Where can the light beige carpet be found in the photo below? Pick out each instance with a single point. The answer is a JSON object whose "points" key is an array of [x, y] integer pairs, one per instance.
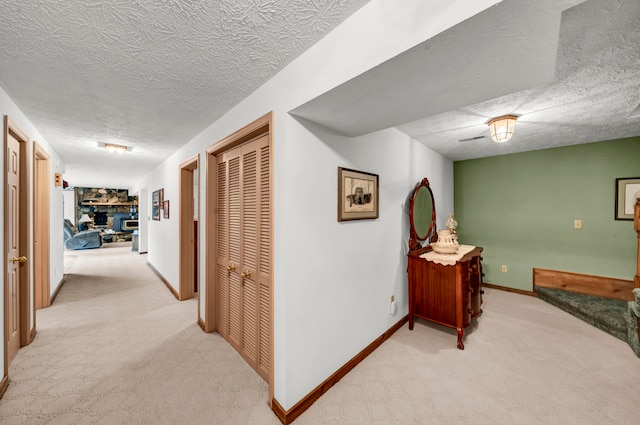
{"points": [[117, 348]]}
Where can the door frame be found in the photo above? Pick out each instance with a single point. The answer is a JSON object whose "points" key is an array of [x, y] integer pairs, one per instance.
{"points": [[262, 125], [27, 332], [187, 254], [41, 227]]}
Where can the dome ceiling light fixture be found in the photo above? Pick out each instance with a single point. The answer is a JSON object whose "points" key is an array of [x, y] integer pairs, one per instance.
{"points": [[502, 128]]}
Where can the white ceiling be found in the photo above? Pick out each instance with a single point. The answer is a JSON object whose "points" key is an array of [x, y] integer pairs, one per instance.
{"points": [[153, 74], [143, 73], [595, 89], [570, 69]]}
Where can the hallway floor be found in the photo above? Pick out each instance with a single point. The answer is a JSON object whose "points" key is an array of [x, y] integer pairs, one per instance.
{"points": [[117, 348]]}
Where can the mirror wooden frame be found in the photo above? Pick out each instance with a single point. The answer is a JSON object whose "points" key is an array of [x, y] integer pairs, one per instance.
{"points": [[431, 235]]}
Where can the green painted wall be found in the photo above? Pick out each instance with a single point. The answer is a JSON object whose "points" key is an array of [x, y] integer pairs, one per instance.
{"points": [[520, 208]]}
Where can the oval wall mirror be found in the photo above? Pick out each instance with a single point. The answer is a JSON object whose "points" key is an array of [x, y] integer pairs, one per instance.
{"points": [[422, 215]]}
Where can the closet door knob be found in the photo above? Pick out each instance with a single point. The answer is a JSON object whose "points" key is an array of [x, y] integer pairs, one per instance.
{"points": [[245, 274], [231, 267]]}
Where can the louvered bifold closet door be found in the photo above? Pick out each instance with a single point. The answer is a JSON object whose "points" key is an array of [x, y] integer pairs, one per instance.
{"points": [[229, 282], [256, 322], [264, 259], [235, 259], [244, 222], [249, 255], [222, 248]]}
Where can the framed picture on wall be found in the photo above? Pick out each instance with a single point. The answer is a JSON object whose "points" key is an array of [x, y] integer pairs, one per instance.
{"points": [[156, 204], [165, 209], [627, 191], [357, 195]]}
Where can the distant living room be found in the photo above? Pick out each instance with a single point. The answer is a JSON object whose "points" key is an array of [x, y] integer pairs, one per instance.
{"points": [[96, 216]]}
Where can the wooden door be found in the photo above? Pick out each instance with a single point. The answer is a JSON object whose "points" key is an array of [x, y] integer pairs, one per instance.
{"points": [[243, 251], [188, 225], [14, 261]]}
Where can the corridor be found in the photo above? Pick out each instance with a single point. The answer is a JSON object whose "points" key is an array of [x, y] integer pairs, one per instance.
{"points": [[116, 347]]}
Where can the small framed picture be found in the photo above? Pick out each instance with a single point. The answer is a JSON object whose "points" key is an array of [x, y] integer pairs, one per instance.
{"points": [[627, 191], [165, 209], [156, 204], [357, 195]]}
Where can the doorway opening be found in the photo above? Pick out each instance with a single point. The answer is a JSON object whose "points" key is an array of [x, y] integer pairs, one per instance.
{"points": [[41, 225]]}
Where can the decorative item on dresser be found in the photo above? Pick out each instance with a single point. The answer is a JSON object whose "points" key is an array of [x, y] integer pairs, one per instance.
{"points": [[444, 288]]}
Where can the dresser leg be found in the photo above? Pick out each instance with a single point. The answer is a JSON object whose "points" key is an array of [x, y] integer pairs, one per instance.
{"points": [[460, 336], [410, 322]]}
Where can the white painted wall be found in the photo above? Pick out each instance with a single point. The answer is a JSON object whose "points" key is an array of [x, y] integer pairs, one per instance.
{"points": [[162, 235], [56, 211], [332, 281], [9, 108], [342, 277]]}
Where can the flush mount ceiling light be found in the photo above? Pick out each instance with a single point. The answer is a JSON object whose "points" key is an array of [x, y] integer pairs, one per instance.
{"points": [[502, 128], [111, 147]]}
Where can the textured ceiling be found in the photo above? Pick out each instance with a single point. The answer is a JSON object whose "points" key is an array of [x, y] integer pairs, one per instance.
{"points": [[473, 61], [146, 74], [570, 69], [595, 90], [153, 74]]}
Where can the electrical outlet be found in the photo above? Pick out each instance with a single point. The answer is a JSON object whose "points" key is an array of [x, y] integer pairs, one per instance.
{"points": [[577, 224], [393, 307], [504, 268]]}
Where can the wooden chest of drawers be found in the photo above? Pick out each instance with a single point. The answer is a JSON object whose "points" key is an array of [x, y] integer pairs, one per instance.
{"points": [[450, 295]]}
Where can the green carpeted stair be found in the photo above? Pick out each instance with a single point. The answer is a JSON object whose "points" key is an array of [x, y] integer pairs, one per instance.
{"points": [[616, 317], [633, 314]]}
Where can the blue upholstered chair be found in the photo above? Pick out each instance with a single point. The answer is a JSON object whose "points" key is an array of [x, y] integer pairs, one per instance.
{"points": [[80, 240]]}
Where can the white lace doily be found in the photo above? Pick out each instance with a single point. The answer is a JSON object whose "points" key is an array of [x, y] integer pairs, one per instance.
{"points": [[448, 259]]}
